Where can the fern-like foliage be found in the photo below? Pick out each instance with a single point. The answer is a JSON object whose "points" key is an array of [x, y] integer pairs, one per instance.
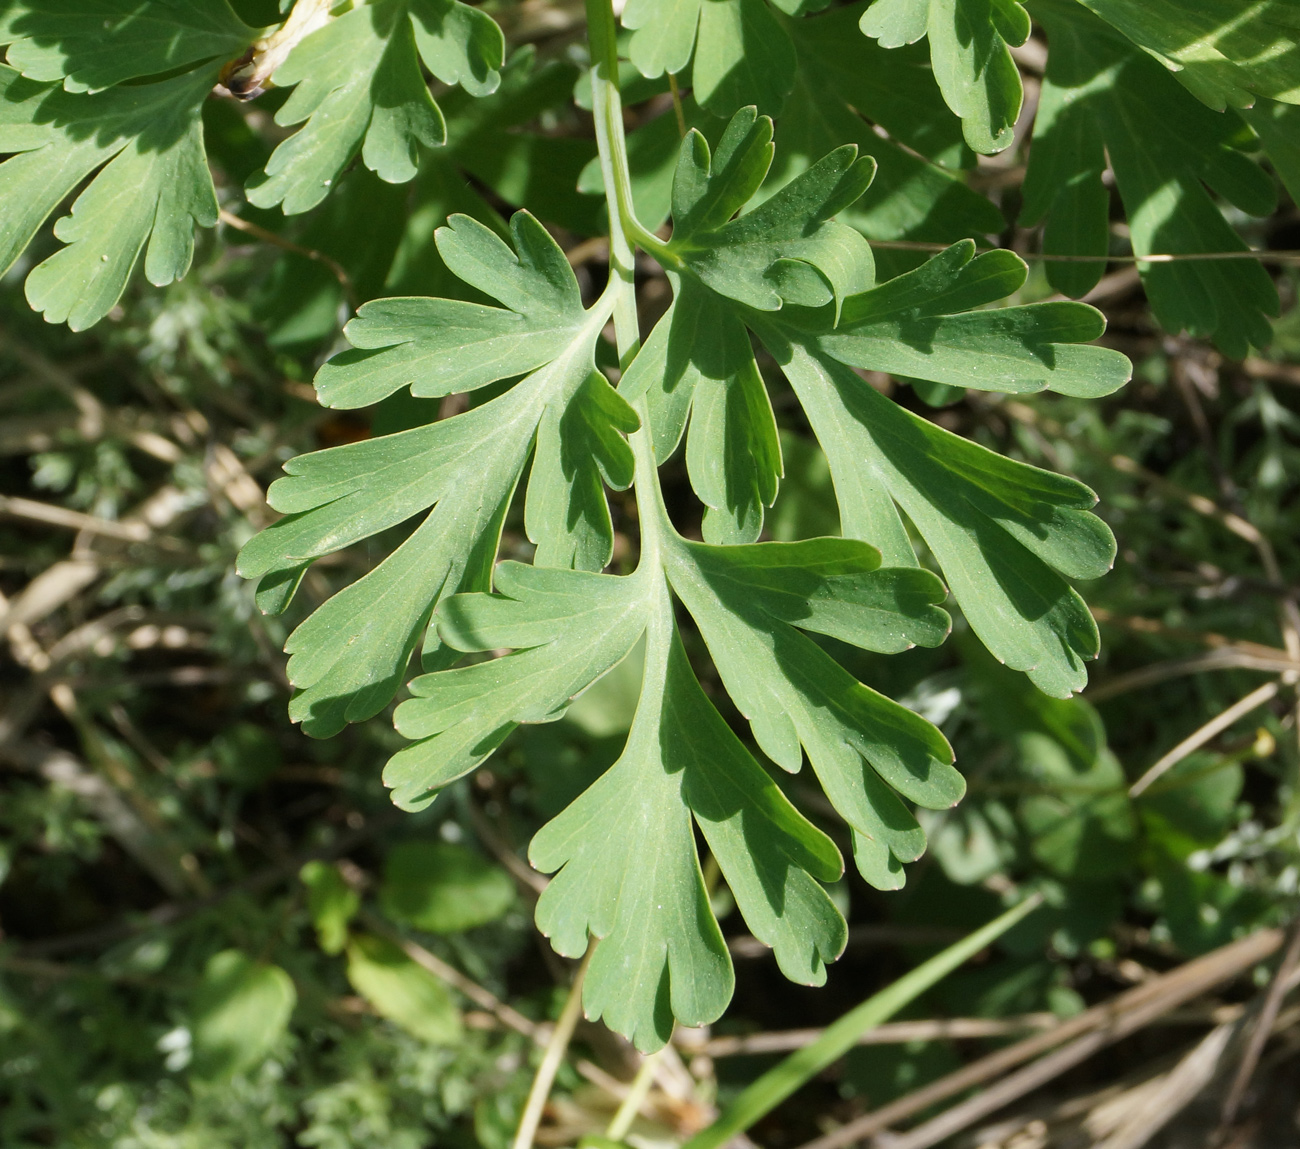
{"points": [[803, 283], [883, 105], [115, 89]]}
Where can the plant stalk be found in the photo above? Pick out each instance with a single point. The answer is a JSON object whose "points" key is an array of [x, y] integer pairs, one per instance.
{"points": [[551, 1058], [777, 1084]]}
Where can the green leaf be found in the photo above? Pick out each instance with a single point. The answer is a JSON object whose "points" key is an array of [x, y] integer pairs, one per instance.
{"points": [[571, 628], [1224, 53], [94, 44], [443, 888], [1003, 532], [331, 902], [748, 602], [151, 186], [567, 629], [440, 346], [239, 1012], [842, 79], [351, 655], [1103, 99], [918, 325], [358, 87], [405, 993], [968, 51], [698, 362], [893, 87], [629, 875], [743, 55], [787, 249], [778, 1083]]}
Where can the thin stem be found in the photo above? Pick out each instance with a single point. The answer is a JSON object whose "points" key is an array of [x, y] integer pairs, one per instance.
{"points": [[677, 105], [335, 268], [624, 227], [607, 110], [635, 1096], [1194, 742], [551, 1059]]}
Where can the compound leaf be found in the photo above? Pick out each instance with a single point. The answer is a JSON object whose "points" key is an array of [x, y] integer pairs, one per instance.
{"points": [[569, 627], [350, 656], [1102, 98], [1224, 53], [439, 346], [1000, 530], [94, 44], [968, 51], [1005, 535], [151, 187], [918, 325], [358, 87], [748, 602], [698, 362], [787, 249], [629, 874]]}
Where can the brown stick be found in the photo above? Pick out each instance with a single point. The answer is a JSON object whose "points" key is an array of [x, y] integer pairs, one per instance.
{"points": [[1112, 1020], [1263, 1027]]}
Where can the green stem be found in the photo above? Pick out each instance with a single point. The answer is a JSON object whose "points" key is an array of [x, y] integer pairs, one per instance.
{"points": [[777, 1084], [635, 1096], [607, 109], [551, 1059], [624, 229]]}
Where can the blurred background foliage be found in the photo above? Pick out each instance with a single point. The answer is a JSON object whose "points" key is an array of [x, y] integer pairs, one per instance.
{"points": [[217, 932]]}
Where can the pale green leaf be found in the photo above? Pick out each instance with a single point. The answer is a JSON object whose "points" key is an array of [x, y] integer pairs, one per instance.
{"points": [[698, 359], [405, 993], [443, 887], [94, 44], [239, 1012], [153, 186], [748, 601], [969, 54], [358, 88], [331, 902], [570, 629], [1000, 530], [351, 655]]}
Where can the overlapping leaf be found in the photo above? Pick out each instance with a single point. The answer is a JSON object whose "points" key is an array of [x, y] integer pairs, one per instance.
{"points": [[114, 89], [358, 87], [1225, 53], [1006, 535], [750, 603], [624, 849], [742, 54], [1102, 99], [150, 188], [95, 44], [968, 51], [350, 656]]}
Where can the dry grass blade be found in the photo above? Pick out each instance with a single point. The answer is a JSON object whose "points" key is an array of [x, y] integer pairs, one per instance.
{"points": [[1093, 1028], [890, 1033], [1195, 741], [1263, 1027], [1226, 658], [55, 516]]}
